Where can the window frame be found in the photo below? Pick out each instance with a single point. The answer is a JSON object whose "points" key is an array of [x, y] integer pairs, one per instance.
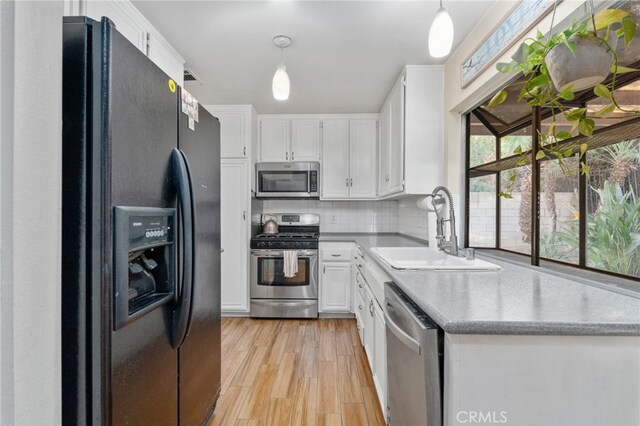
{"points": [[535, 121]]}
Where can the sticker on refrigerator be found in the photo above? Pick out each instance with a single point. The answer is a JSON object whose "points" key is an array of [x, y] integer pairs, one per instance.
{"points": [[172, 86], [189, 105], [192, 124]]}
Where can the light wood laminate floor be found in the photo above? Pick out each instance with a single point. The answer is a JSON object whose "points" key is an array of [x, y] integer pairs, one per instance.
{"points": [[295, 372]]}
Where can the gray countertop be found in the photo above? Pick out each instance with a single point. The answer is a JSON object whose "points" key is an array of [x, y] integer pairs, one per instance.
{"points": [[518, 299]]}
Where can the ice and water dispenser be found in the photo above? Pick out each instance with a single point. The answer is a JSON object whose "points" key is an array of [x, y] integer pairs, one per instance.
{"points": [[144, 259]]}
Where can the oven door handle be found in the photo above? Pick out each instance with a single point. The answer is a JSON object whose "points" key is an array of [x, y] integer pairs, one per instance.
{"points": [[279, 253]]}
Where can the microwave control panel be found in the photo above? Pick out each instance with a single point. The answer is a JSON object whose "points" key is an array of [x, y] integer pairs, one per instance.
{"points": [[313, 181]]}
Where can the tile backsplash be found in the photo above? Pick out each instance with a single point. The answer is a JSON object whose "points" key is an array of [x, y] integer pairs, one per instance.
{"points": [[343, 216], [412, 220]]}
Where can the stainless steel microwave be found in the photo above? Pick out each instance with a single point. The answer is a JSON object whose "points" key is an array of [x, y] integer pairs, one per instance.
{"points": [[288, 180]]}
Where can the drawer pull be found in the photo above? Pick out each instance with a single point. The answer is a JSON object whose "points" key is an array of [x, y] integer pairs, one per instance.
{"points": [[336, 255]]}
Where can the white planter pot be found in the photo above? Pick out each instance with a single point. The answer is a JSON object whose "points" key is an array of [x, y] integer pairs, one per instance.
{"points": [[589, 66]]}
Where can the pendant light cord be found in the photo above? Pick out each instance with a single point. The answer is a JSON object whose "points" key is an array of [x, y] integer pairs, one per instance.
{"points": [[593, 19], [553, 16]]}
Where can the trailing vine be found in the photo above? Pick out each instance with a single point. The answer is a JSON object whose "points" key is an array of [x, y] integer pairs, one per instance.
{"points": [[608, 27]]}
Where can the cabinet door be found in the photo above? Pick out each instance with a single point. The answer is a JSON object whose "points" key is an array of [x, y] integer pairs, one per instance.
{"points": [[369, 332], [274, 140], [383, 151], [379, 355], [335, 287], [335, 159], [126, 18], [234, 237], [362, 159], [305, 138], [163, 55], [396, 140], [359, 309], [233, 133]]}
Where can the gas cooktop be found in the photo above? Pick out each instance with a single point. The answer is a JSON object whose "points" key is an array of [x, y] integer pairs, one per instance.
{"points": [[297, 232]]}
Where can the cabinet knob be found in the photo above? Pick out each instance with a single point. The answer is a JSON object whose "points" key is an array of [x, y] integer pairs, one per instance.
{"points": [[292, 155], [360, 307], [360, 285]]}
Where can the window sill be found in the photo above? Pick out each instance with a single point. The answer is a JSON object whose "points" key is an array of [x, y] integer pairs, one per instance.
{"points": [[596, 279]]}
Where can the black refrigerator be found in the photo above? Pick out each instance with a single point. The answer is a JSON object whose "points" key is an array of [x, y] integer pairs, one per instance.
{"points": [[141, 239]]}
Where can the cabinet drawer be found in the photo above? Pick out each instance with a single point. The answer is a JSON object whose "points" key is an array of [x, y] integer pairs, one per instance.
{"points": [[336, 254]]}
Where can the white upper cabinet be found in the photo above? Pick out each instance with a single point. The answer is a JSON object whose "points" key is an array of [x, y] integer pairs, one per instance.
{"points": [[275, 137], [383, 150], [335, 159], [396, 138], [411, 145], [237, 134], [362, 158], [134, 26], [284, 139], [349, 159], [124, 15], [305, 138], [164, 56]]}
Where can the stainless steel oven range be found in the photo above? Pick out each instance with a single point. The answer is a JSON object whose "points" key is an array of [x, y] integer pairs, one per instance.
{"points": [[273, 295]]}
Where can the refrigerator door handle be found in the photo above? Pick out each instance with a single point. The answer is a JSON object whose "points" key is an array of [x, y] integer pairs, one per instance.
{"points": [[182, 181]]}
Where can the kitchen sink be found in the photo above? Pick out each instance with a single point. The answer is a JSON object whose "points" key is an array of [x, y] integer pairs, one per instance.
{"points": [[429, 259]]}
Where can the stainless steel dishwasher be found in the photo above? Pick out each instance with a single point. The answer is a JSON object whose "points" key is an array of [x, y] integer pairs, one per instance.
{"points": [[414, 362]]}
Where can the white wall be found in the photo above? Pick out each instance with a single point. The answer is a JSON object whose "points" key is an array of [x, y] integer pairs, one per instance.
{"points": [[30, 202]]}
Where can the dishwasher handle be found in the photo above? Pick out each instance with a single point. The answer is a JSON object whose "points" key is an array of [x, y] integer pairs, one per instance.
{"points": [[400, 334]]}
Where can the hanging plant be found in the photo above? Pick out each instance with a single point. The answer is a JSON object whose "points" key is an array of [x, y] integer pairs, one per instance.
{"points": [[558, 66]]}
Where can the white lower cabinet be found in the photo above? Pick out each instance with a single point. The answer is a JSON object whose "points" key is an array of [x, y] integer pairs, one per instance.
{"points": [[335, 290], [379, 368], [358, 306], [234, 235], [370, 319], [335, 278], [368, 326]]}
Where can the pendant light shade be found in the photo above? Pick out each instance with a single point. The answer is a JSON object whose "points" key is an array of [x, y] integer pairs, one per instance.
{"points": [[281, 84], [441, 34]]}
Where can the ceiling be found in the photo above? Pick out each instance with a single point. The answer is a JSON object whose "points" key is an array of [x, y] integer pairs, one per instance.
{"points": [[344, 57]]}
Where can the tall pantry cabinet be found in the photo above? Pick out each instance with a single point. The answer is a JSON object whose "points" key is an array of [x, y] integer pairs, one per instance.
{"points": [[238, 139]]}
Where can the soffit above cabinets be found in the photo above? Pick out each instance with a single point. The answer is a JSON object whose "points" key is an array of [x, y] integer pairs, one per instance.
{"points": [[344, 57]]}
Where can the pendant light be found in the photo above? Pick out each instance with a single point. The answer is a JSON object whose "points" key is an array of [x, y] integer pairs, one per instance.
{"points": [[441, 34], [281, 83]]}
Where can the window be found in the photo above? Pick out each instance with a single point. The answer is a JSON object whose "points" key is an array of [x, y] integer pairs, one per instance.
{"points": [[546, 209]]}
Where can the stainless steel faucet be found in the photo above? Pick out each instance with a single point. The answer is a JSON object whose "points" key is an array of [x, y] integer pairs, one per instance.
{"points": [[451, 245]]}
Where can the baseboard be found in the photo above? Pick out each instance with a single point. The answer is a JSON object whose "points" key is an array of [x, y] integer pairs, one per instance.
{"points": [[336, 315], [231, 314]]}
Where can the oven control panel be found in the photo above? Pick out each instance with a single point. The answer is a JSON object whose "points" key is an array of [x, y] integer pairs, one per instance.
{"points": [[284, 245]]}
